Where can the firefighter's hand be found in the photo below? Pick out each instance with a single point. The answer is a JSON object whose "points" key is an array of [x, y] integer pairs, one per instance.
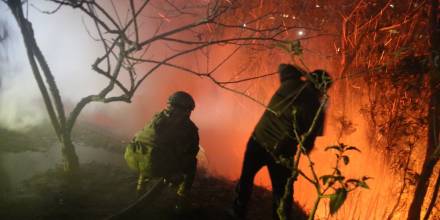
{"points": [[181, 190]]}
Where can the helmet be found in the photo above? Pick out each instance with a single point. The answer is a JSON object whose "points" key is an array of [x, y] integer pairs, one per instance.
{"points": [[182, 99], [288, 71]]}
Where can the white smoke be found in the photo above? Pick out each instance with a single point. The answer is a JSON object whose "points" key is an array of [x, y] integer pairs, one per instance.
{"points": [[69, 51], [18, 106]]}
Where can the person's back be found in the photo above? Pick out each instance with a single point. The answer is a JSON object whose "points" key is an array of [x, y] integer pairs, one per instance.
{"points": [[272, 135], [167, 147], [291, 110], [275, 125], [169, 144]]}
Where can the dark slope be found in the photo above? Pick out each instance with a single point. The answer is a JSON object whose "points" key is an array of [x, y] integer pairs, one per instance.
{"points": [[105, 190]]}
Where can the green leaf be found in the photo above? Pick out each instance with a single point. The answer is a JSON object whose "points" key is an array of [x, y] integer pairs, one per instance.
{"points": [[337, 199], [334, 147], [285, 46], [326, 178], [339, 178], [342, 146], [352, 181], [345, 159], [291, 47], [296, 47], [353, 148], [363, 184]]}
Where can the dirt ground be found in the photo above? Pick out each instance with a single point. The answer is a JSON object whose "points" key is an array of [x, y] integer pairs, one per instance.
{"points": [[104, 190]]}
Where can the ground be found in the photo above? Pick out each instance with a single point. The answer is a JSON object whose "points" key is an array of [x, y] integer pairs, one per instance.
{"points": [[101, 191], [105, 190]]}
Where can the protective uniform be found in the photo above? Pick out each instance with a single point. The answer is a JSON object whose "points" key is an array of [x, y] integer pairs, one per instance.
{"points": [[294, 103], [167, 146]]}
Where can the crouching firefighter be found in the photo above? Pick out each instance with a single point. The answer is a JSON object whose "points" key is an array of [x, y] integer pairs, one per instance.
{"points": [[167, 147]]}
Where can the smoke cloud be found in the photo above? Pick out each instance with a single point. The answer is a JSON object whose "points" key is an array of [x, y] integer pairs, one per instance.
{"points": [[18, 106], [69, 51], [225, 119]]}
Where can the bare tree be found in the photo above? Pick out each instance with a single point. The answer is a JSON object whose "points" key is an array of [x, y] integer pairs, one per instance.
{"points": [[200, 26], [381, 44]]}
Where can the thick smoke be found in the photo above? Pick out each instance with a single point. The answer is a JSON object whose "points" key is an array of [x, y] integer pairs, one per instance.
{"points": [[225, 120], [69, 51], [4, 35], [18, 107]]}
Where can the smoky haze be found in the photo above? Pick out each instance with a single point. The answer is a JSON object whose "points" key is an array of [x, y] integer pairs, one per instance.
{"points": [[58, 36], [12, 80], [225, 119]]}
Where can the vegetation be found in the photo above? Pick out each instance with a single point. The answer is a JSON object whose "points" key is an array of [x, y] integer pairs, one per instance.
{"points": [[391, 49]]}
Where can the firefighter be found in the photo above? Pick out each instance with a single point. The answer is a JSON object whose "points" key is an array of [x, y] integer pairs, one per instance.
{"points": [[167, 147], [294, 104]]}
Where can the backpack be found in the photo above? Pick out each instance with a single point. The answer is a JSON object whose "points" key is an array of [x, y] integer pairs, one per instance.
{"points": [[138, 157]]}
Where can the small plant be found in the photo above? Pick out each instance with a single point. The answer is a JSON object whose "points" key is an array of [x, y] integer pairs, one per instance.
{"points": [[334, 186], [336, 182]]}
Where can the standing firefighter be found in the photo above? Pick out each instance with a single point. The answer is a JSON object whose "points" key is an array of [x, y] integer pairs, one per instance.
{"points": [[167, 147], [294, 104]]}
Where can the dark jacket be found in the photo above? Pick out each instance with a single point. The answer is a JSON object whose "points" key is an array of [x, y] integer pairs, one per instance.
{"points": [[171, 147], [294, 103]]}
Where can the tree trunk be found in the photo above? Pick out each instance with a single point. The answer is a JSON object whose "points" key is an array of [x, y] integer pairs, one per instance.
{"points": [[433, 199], [431, 158], [53, 105], [4, 181], [70, 159], [421, 189]]}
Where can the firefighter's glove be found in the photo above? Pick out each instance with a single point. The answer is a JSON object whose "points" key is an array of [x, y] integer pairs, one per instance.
{"points": [[181, 190]]}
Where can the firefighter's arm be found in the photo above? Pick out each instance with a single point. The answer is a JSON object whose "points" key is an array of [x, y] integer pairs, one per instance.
{"points": [[189, 166], [194, 149]]}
